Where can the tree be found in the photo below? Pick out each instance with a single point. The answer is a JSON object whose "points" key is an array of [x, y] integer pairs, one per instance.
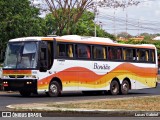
{"points": [[147, 36], [85, 26], [124, 35], [18, 18], [68, 12]]}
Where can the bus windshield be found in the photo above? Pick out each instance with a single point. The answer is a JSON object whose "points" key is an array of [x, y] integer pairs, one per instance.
{"points": [[21, 55]]}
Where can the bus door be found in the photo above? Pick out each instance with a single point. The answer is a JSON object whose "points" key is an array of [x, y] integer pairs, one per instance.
{"points": [[45, 63]]}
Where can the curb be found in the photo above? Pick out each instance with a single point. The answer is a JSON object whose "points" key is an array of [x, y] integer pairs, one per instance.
{"points": [[66, 109]]}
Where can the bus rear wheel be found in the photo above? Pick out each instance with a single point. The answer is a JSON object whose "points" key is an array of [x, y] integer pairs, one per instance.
{"points": [[25, 93], [54, 89], [114, 87], [124, 87]]}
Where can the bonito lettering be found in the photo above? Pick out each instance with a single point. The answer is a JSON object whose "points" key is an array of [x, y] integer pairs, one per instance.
{"points": [[101, 67]]}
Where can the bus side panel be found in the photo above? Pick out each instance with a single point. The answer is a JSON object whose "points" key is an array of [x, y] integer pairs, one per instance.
{"points": [[145, 76], [69, 79]]}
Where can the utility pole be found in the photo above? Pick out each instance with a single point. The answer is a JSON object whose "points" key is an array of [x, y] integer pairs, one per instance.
{"points": [[138, 28], [114, 23], [95, 20], [126, 23]]}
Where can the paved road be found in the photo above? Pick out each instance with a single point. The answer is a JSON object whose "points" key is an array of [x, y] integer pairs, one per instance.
{"points": [[15, 98]]}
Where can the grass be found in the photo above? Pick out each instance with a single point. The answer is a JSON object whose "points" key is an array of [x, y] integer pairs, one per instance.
{"points": [[138, 104]]}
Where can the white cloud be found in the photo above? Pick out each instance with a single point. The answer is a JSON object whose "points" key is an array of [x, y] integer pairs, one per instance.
{"points": [[157, 13], [140, 15]]}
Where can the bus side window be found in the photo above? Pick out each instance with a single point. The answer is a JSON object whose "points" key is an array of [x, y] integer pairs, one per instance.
{"points": [[110, 55], [70, 51], [147, 55], [138, 55], [99, 52], [141, 55], [134, 55], [119, 54], [104, 53], [114, 53], [152, 56], [65, 50], [83, 51], [128, 54], [94, 53], [124, 54], [88, 52], [61, 50]]}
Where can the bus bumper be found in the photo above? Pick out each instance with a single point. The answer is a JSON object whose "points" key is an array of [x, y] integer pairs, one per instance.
{"points": [[20, 84]]}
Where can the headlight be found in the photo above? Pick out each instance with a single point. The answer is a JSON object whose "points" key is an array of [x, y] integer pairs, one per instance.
{"points": [[5, 76], [30, 76], [28, 83], [5, 82]]}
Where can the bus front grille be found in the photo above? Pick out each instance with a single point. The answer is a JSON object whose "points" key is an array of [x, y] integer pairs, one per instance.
{"points": [[16, 76]]}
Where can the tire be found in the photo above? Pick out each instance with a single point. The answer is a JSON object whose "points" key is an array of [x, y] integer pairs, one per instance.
{"points": [[54, 89], [114, 88], [25, 93], [125, 87]]}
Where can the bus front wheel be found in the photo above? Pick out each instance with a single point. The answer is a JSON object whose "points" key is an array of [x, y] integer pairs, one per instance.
{"points": [[54, 89], [124, 87], [25, 93], [114, 87]]}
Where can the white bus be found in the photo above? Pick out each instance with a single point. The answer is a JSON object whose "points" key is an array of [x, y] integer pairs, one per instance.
{"points": [[75, 63]]}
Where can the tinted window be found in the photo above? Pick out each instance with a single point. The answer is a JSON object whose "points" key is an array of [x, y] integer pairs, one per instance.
{"points": [[99, 52], [114, 53], [152, 56], [129, 54], [65, 50], [141, 55], [83, 51]]}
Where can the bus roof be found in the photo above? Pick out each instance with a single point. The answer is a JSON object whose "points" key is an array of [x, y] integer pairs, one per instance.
{"points": [[83, 39]]}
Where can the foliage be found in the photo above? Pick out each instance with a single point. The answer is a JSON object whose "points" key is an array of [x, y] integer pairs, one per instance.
{"points": [[18, 19], [68, 12], [124, 35], [147, 36], [85, 26]]}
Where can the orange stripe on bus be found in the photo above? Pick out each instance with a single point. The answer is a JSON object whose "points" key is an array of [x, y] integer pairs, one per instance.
{"points": [[20, 72], [80, 76]]}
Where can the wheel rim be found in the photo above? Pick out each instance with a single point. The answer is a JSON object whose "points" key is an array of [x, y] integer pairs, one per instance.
{"points": [[53, 89], [114, 88], [125, 87]]}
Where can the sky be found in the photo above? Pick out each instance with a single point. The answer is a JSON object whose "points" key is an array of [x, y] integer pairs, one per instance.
{"points": [[144, 18], [135, 19]]}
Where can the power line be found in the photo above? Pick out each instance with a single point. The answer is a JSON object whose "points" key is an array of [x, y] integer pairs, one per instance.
{"points": [[131, 22]]}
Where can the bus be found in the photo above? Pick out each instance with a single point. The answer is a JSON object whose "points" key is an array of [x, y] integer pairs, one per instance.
{"points": [[53, 65]]}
